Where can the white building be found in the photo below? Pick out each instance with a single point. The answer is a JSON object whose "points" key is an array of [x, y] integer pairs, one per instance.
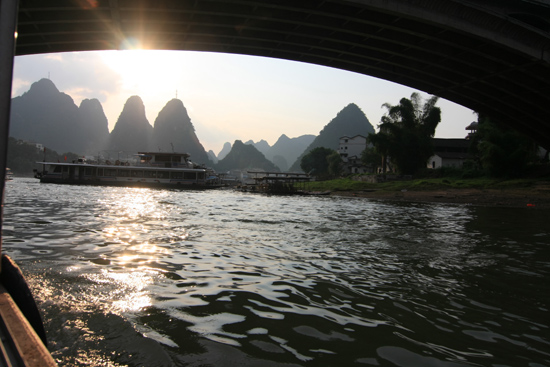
{"points": [[449, 153], [350, 149]]}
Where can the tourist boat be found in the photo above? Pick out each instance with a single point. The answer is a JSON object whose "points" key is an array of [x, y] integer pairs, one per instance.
{"points": [[148, 169]]}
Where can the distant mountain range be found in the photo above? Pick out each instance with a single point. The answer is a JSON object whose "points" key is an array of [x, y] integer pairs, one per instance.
{"points": [[47, 116], [245, 157], [285, 150], [50, 117]]}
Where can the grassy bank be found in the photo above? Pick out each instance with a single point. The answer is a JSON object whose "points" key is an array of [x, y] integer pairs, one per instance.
{"points": [[427, 184]]}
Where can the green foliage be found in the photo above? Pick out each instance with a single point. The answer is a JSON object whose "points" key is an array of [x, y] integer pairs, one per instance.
{"points": [[466, 171], [321, 162], [406, 131], [334, 164], [424, 184], [339, 184], [371, 157], [502, 151]]}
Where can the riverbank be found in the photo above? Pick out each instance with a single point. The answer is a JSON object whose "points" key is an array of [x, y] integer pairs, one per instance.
{"points": [[518, 193], [496, 198]]}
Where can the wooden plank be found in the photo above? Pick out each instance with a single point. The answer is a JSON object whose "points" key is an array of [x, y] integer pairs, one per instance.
{"points": [[26, 342]]}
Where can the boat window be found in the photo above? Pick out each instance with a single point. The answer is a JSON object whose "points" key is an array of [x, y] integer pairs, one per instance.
{"points": [[88, 171], [163, 158], [137, 173], [123, 173], [57, 169], [149, 174], [100, 171], [145, 158], [177, 175], [110, 172], [201, 176], [163, 174], [190, 175]]}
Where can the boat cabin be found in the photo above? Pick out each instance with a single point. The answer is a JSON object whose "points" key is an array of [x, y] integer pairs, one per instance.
{"points": [[167, 160]]}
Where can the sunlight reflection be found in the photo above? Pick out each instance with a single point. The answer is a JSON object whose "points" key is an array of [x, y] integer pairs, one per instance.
{"points": [[127, 291], [147, 248], [132, 289], [126, 259], [132, 219], [134, 213], [135, 203]]}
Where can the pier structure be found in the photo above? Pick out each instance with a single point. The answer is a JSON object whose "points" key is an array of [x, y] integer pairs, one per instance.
{"points": [[277, 182]]}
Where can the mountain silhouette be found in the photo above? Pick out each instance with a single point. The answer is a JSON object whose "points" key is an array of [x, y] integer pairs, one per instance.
{"points": [[225, 150], [349, 121], [95, 126], [262, 146], [47, 116], [50, 117], [286, 150], [132, 131], [173, 131], [243, 157], [212, 156]]}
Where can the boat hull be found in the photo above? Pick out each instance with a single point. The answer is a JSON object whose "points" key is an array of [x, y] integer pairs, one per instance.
{"points": [[131, 183]]}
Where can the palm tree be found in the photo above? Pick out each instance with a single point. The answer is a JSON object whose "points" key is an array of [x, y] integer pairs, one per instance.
{"points": [[405, 133]]}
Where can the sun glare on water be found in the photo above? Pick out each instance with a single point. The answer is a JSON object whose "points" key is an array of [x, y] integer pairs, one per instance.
{"points": [[128, 268]]}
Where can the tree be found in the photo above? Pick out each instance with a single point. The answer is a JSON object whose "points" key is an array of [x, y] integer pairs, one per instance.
{"points": [[22, 157], [501, 151], [405, 133], [320, 162], [371, 158], [334, 164]]}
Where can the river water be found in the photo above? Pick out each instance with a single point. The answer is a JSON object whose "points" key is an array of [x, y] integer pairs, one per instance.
{"points": [[140, 277]]}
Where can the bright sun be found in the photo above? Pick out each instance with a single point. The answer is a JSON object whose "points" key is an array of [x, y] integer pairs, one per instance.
{"points": [[144, 71]]}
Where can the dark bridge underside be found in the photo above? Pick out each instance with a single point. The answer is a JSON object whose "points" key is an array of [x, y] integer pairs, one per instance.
{"points": [[493, 58]]}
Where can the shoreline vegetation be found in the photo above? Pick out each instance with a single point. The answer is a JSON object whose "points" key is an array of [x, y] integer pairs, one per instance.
{"points": [[518, 193]]}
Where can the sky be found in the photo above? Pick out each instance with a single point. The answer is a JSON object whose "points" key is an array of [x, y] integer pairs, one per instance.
{"points": [[228, 97]]}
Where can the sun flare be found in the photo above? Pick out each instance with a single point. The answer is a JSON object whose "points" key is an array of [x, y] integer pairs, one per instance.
{"points": [[144, 71]]}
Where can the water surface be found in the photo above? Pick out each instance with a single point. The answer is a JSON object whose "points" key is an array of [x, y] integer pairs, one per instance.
{"points": [[140, 277]]}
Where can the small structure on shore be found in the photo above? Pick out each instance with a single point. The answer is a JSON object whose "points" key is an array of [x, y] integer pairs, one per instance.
{"points": [[448, 153], [276, 182]]}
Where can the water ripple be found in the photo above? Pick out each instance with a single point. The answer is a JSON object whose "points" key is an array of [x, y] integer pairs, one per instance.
{"points": [[194, 277]]}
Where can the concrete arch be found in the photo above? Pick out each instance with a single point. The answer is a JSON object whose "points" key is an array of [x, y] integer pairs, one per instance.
{"points": [[492, 57]]}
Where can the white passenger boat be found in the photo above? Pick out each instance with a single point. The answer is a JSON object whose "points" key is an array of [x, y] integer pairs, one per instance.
{"points": [[150, 169]]}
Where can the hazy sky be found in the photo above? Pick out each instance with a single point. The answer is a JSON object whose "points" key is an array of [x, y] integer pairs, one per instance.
{"points": [[228, 97]]}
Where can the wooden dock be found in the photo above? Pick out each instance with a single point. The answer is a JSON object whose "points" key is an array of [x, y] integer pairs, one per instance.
{"points": [[283, 183]]}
